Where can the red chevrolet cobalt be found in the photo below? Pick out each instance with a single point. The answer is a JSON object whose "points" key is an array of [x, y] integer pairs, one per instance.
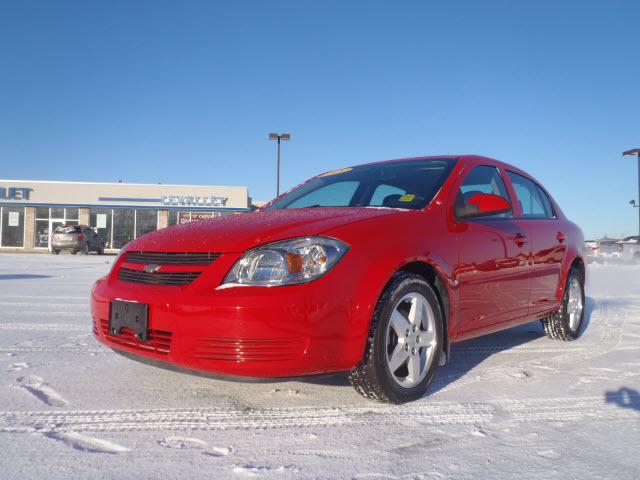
{"points": [[375, 269]]}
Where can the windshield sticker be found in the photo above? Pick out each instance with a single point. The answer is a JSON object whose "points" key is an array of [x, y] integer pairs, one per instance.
{"points": [[407, 197], [336, 172]]}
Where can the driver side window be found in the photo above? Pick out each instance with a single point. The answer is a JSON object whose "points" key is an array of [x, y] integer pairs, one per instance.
{"points": [[483, 179]]}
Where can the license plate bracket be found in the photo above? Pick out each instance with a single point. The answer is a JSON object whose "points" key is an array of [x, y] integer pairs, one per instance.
{"points": [[131, 315]]}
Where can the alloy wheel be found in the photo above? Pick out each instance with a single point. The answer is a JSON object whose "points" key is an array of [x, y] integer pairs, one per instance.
{"points": [[411, 340], [574, 304]]}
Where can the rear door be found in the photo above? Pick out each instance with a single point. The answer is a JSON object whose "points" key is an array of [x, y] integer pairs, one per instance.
{"points": [[547, 240], [493, 270]]}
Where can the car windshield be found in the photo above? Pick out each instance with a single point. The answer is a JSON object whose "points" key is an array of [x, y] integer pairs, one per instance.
{"points": [[402, 184]]}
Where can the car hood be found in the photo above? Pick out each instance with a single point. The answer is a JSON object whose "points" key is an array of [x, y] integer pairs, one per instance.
{"points": [[237, 233]]}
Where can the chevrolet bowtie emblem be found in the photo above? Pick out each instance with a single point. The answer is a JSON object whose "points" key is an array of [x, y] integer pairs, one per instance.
{"points": [[151, 268]]}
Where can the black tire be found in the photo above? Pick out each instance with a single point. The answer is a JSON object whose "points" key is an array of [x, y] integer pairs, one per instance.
{"points": [[101, 249], [373, 378], [55, 252], [74, 251], [558, 325]]}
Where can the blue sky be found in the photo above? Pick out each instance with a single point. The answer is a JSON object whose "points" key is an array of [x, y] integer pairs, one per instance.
{"points": [[186, 92]]}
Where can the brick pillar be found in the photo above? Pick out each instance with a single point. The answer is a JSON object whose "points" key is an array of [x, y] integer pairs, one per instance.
{"points": [[84, 216], [29, 227], [163, 219]]}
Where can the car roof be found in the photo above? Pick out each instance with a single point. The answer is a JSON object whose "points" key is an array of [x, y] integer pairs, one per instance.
{"points": [[475, 159]]}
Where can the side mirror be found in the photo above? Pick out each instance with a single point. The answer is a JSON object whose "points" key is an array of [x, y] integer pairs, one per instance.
{"points": [[483, 205]]}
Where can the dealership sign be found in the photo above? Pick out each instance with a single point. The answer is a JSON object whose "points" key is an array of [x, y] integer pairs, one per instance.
{"points": [[14, 193], [194, 201]]}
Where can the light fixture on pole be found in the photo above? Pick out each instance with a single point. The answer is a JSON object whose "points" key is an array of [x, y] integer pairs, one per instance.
{"points": [[279, 137], [630, 153]]}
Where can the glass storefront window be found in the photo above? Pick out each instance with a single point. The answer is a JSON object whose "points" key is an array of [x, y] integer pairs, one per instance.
{"points": [[72, 213], [146, 221], [101, 219], [49, 218], [12, 227], [57, 212], [181, 217], [123, 226], [41, 239]]}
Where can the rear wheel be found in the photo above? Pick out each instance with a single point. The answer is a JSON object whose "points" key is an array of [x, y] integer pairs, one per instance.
{"points": [[405, 342], [101, 249], [55, 251], [565, 323]]}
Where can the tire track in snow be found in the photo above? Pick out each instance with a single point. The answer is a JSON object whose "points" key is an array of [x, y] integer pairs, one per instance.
{"points": [[427, 413], [47, 327], [48, 313], [35, 299], [72, 349], [33, 305]]}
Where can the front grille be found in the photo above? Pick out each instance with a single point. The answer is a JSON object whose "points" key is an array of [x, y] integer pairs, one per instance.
{"points": [[172, 258], [159, 341], [158, 278], [248, 350]]}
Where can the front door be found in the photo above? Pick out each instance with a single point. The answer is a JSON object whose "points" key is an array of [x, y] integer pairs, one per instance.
{"points": [[494, 273]]}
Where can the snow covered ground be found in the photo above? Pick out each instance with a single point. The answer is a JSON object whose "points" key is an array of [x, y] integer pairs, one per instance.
{"points": [[510, 405]]}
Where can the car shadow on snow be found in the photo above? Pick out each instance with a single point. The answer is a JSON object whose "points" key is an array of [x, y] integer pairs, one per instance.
{"points": [[624, 397], [465, 356]]}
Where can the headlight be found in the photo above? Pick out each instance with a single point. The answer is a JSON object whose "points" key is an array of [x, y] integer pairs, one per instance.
{"points": [[287, 262]]}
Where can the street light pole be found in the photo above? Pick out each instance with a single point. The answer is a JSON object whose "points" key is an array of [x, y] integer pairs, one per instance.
{"points": [[279, 137], [630, 153]]}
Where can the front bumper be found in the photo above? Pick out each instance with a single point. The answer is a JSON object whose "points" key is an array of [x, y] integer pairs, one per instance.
{"points": [[242, 331]]}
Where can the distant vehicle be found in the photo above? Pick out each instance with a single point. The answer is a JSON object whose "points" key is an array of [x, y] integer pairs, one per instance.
{"points": [[591, 250], [76, 238], [630, 248], [603, 250], [375, 269]]}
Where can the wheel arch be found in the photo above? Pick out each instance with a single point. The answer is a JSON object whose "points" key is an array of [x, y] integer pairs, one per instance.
{"points": [[435, 279], [578, 263]]}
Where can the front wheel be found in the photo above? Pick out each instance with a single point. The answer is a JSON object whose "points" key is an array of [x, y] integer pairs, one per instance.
{"points": [[565, 323], [405, 342]]}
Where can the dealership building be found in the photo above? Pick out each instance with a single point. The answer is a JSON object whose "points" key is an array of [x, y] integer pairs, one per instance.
{"points": [[119, 212]]}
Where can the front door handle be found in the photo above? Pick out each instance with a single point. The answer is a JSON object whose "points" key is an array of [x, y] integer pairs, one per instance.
{"points": [[520, 239], [560, 237]]}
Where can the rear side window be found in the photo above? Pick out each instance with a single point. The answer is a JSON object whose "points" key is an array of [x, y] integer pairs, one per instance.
{"points": [[534, 203], [483, 179]]}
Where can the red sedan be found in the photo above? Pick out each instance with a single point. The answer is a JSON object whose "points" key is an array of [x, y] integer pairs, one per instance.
{"points": [[374, 269]]}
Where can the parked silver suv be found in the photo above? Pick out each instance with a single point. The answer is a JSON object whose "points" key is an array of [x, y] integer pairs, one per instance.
{"points": [[76, 238]]}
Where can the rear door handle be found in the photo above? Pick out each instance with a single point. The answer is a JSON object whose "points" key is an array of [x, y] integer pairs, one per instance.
{"points": [[560, 237], [520, 239]]}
